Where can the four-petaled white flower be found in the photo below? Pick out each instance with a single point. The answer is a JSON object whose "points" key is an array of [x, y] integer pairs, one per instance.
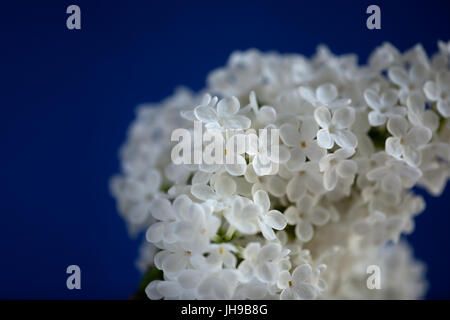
{"points": [[405, 143], [439, 91], [265, 263], [324, 95], [267, 219], [191, 224], [221, 115], [267, 155], [383, 106], [264, 115], [304, 284], [304, 216], [410, 82], [303, 144], [337, 166], [418, 115], [335, 128]]}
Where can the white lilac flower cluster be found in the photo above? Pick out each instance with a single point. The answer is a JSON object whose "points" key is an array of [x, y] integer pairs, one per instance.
{"points": [[354, 141]]}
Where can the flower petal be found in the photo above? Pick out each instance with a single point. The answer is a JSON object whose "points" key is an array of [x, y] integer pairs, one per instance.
{"points": [[267, 231], [205, 114], [225, 186], [345, 139], [161, 209], [203, 192], [372, 99], [289, 294], [275, 219], [238, 168], [289, 134], [320, 216], [297, 159], [324, 139], [155, 232], [431, 90], [303, 273], [304, 231], [326, 93], [189, 279], [228, 107], [236, 122], [444, 108], [394, 147], [376, 118], [261, 198], [296, 188], [397, 126], [308, 94], [322, 116], [266, 115], [343, 117], [399, 76], [418, 136], [346, 168], [330, 179], [306, 291]]}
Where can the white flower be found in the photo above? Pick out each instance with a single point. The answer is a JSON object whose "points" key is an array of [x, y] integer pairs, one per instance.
{"points": [[264, 115], [376, 160], [307, 178], [221, 116], [303, 144], [383, 106], [405, 144], [173, 262], [439, 91], [266, 155], [188, 224], [233, 160], [336, 128], [304, 216], [220, 195], [221, 254], [304, 284], [409, 82], [219, 285], [336, 166], [394, 175], [325, 95], [268, 219], [265, 263], [418, 115], [435, 167]]}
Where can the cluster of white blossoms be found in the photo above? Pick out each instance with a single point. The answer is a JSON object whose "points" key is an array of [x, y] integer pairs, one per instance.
{"points": [[354, 141]]}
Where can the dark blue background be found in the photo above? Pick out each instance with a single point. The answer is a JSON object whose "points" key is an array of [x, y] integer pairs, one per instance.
{"points": [[67, 98]]}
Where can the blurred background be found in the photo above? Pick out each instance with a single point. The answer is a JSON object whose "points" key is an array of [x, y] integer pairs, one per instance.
{"points": [[68, 96]]}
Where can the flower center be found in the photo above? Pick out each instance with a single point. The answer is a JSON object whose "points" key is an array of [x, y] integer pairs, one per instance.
{"points": [[303, 144]]}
